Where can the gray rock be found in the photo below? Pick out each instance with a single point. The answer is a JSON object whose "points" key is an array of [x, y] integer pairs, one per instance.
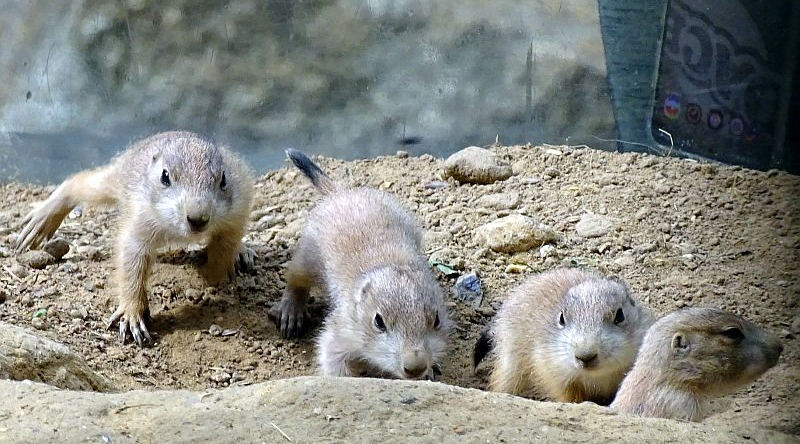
{"points": [[476, 165], [625, 259], [267, 221], [515, 233], [319, 409], [551, 172], [795, 327], [662, 188], [499, 201], [26, 355], [468, 289], [215, 330], [57, 248], [436, 184], [90, 252], [546, 251], [594, 225], [220, 376], [36, 259]]}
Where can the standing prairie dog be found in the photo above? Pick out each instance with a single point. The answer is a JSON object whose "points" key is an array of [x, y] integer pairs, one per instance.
{"points": [[691, 355], [564, 335], [359, 245], [172, 187]]}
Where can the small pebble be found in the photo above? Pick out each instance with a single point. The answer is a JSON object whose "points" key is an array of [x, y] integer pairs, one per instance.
{"points": [[546, 251], [215, 330], [795, 327], [516, 268], [436, 185], [662, 188], [551, 172], [36, 259], [192, 294], [468, 289], [57, 248], [90, 252], [39, 323], [67, 268], [220, 377]]}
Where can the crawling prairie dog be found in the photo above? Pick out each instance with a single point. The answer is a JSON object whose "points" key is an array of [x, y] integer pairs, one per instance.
{"points": [[690, 356], [363, 248], [564, 335], [172, 187]]}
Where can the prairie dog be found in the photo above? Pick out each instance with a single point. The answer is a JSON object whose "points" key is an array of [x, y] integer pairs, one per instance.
{"points": [[363, 248], [564, 335], [172, 187], [691, 355]]}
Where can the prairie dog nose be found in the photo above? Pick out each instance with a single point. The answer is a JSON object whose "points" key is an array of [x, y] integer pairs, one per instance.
{"points": [[198, 221], [587, 359], [414, 364]]}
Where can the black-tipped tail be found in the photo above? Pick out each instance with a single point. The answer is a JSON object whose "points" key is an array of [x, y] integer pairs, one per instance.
{"points": [[311, 170], [482, 348]]}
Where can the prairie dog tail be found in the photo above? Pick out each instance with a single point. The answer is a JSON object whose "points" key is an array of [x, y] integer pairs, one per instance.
{"points": [[318, 177], [482, 347]]}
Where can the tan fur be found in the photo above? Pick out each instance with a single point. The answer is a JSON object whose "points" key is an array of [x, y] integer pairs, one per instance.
{"points": [[535, 356], [364, 249], [152, 214], [687, 358]]}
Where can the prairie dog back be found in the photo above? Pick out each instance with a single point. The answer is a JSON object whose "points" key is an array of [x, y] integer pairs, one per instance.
{"points": [[364, 249], [690, 356], [566, 335]]}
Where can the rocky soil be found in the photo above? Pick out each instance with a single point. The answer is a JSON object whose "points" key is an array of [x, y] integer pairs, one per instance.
{"points": [[681, 233]]}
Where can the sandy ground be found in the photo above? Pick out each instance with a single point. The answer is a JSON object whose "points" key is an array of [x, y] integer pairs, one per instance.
{"points": [[686, 233]]}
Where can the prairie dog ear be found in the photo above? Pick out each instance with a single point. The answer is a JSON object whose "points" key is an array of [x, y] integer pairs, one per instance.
{"points": [[680, 342], [621, 282], [364, 289]]}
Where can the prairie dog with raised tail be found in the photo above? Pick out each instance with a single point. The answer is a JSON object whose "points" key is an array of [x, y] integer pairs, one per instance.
{"points": [[364, 250]]}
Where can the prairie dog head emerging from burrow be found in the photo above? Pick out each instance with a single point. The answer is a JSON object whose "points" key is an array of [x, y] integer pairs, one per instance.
{"points": [[565, 335], [364, 250], [690, 356]]}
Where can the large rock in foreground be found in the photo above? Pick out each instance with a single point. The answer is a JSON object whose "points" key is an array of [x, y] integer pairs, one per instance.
{"points": [[26, 355], [316, 409]]}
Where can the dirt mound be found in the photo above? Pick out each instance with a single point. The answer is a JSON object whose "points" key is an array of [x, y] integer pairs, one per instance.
{"points": [[679, 232]]}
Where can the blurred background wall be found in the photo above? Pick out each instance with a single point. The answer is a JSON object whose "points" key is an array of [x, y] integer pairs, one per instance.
{"points": [[346, 78]]}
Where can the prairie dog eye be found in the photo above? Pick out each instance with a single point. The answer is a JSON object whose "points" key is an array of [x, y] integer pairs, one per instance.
{"points": [[379, 324], [561, 321], [165, 178], [733, 333], [619, 317], [436, 322], [223, 183]]}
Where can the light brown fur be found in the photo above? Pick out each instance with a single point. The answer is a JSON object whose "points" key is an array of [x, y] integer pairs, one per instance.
{"points": [[536, 356], [153, 214], [691, 355], [364, 249]]}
